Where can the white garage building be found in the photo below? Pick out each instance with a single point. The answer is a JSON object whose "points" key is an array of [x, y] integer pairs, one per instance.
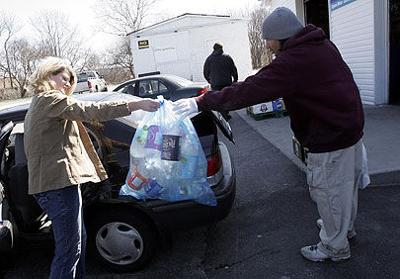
{"points": [[181, 45]]}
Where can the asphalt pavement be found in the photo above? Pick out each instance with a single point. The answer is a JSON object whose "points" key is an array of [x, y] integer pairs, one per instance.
{"points": [[272, 218]]}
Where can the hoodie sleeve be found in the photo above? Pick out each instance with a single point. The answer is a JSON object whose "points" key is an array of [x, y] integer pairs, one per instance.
{"points": [[271, 82]]}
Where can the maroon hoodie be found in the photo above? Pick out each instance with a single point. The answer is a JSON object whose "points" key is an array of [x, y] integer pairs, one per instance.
{"points": [[317, 86]]}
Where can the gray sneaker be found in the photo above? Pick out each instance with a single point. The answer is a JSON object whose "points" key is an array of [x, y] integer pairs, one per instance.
{"points": [[314, 253], [351, 235]]}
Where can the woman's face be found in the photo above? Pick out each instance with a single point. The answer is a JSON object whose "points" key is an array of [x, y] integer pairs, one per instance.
{"points": [[61, 81]]}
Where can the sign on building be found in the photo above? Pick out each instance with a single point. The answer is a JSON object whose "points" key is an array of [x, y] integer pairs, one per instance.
{"points": [[143, 44], [336, 4]]}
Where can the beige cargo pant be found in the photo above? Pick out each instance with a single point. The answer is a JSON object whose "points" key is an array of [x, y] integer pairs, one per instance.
{"points": [[334, 179]]}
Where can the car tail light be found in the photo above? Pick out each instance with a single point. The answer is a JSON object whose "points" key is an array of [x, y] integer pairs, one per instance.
{"points": [[202, 91], [89, 84], [213, 164]]}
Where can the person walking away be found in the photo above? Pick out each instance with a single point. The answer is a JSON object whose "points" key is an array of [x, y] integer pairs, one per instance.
{"points": [[220, 70], [61, 156], [326, 117]]}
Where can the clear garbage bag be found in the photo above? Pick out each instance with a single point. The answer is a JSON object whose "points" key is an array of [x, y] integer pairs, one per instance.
{"points": [[167, 160]]}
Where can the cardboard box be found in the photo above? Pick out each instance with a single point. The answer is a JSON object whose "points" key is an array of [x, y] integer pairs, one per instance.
{"points": [[267, 108]]}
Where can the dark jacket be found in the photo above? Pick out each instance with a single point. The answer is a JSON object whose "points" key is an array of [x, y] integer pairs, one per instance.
{"points": [[219, 69], [317, 86]]}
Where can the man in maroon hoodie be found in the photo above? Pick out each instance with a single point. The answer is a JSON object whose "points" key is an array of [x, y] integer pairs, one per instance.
{"points": [[326, 116]]}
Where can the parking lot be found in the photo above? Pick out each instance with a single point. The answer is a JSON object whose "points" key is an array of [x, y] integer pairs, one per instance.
{"points": [[273, 217]]}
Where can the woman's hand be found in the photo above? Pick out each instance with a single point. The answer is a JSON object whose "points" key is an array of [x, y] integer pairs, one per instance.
{"points": [[144, 104]]}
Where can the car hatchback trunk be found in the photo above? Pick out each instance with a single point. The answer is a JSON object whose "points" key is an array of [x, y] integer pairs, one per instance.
{"points": [[117, 158]]}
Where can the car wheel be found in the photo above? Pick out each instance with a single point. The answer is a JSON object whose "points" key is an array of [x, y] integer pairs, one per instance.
{"points": [[122, 240]]}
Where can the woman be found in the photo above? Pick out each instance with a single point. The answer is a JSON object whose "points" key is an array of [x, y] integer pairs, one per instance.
{"points": [[61, 156]]}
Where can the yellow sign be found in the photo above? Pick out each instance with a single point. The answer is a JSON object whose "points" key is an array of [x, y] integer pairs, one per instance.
{"points": [[143, 44]]}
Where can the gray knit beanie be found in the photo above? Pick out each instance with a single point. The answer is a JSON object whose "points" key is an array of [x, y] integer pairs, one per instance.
{"points": [[281, 24]]}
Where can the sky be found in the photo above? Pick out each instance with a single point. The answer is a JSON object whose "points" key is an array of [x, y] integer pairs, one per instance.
{"points": [[81, 12]]}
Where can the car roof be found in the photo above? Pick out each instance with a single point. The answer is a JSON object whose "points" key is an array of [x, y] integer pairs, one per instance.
{"points": [[166, 76], [16, 112], [18, 109]]}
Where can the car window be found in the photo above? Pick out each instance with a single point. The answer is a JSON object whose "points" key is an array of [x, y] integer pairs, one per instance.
{"points": [[145, 88], [82, 77], [151, 88], [91, 74], [128, 89], [114, 136], [4, 140], [161, 88]]}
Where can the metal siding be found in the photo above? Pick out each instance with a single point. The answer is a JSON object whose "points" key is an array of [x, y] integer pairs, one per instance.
{"points": [[182, 23], [352, 30], [164, 54]]}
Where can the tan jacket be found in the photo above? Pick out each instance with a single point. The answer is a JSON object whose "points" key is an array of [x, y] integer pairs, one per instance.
{"points": [[57, 146]]}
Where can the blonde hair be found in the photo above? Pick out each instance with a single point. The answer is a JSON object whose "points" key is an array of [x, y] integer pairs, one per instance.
{"points": [[40, 81]]}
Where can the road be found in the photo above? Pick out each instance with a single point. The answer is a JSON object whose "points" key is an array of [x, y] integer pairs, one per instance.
{"points": [[272, 218]]}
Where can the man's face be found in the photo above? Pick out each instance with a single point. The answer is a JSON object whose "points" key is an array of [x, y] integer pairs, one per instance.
{"points": [[273, 45]]}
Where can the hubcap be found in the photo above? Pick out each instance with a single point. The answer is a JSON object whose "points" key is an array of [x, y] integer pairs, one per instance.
{"points": [[119, 243]]}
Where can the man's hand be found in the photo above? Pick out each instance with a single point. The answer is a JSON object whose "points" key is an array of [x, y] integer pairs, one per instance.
{"points": [[185, 107], [146, 104]]}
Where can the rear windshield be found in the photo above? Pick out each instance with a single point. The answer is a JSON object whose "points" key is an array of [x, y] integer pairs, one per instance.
{"points": [[82, 77]]}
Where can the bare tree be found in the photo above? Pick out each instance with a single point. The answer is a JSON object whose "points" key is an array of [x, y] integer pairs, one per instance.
{"points": [[121, 56], [8, 28], [22, 61], [259, 54], [59, 37], [90, 60], [119, 17], [117, 62]]}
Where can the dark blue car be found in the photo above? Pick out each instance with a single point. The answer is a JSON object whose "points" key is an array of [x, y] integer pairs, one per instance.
{"points": [[124, 232]]}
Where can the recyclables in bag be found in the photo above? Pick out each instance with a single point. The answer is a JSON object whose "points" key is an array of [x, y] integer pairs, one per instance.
{"points": [[167, 160]]}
